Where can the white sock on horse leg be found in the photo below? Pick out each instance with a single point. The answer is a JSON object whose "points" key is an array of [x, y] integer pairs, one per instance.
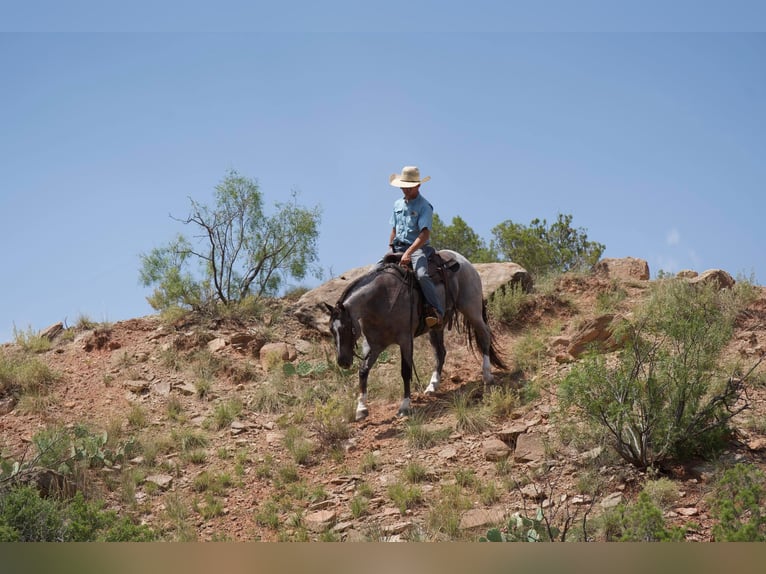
{"points": [[434, 384]]}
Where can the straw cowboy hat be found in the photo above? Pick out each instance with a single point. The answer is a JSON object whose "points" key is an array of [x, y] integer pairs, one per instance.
{"points": [[410, 177]]}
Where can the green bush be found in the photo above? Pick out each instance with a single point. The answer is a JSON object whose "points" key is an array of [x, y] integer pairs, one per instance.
{"points": [[507, 305], [641, 521], [541, 248], [737, 503], [27, 517], [665, 397]]}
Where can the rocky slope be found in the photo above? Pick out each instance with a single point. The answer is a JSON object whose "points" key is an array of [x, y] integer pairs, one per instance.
{"points": [[233, 445]]}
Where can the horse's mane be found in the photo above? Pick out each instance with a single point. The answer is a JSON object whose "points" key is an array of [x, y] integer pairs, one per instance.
{"points": [[368, 277]]}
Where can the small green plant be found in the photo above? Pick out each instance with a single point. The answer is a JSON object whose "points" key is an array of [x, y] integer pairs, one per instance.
{"points": [[331, 420], [421, 436], [530, 352], [174, 408], [226, 412], [268, 514], [640, 521], [737, 504], [608, 301], [189, 439], [663, 492], [501, 402], [508, 304], [445, 513], [470, 418], [137, 416], [31, 341], [414, 472], [370, 462], [405, 496], [298, 445], [359, 506]]}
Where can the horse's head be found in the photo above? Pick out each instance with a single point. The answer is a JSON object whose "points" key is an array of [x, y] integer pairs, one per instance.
{"points": [[344, 334]]}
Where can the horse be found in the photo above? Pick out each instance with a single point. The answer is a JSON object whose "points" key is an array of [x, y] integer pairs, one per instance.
{"points": [[384, 307]]}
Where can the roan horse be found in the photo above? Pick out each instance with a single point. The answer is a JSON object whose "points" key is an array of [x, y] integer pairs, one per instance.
{"points": [[384, 308]]}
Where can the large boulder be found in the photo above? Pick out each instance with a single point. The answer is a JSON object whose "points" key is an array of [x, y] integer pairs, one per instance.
{"points": [[717, 277], [311, 308], [626, 269], [498, 275]]}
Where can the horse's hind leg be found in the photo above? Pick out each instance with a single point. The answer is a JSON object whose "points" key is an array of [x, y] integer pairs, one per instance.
{"points": [[484, 339], [440, 353]]}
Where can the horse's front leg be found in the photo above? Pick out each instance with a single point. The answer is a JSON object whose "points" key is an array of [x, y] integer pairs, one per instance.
{"points": [[368, 360], [440, 353]]}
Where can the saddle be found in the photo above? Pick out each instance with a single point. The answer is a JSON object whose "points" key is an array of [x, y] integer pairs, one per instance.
{"points": [[438, 265], [438, 268]]}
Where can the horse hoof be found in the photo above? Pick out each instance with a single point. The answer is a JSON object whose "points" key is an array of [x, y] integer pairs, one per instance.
{"points": [[403, 413], [431, 389], [362, 414]]}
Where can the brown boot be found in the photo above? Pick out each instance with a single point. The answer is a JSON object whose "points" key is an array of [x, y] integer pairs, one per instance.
{"points": [[433, 319]]}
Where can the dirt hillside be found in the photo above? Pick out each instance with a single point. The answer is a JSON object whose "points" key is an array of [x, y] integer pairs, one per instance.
{"points": [[232, 444]]}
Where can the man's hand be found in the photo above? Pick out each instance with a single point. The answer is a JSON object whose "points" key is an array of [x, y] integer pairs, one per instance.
{"points": [[406, 260]]}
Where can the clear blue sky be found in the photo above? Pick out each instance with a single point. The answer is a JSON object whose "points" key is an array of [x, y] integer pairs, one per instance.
{"points": [[654, 142]]}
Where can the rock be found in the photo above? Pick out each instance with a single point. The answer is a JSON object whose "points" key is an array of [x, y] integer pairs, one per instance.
{"points": [[597, 332], [276, 351], [7, 404], [532, 492], [310, 309], [687, 511], [718, 277], [495, 450], [757, 444], [495, 276], [137, 387], [687, 274], [241, 340], [626, 269], [612, 500], [449, 453], [529, 448], [396, 528], [52, 332], [481, 517], [162, 388], [320, 520], [191, 340], [217, 344], [509, 433], [163, 481]]}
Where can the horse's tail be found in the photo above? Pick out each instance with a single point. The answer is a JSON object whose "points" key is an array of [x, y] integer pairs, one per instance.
{"points": [[494, 354]]}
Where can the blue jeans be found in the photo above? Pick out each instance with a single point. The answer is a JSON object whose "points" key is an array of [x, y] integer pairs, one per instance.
{"points": [[420, 266]]}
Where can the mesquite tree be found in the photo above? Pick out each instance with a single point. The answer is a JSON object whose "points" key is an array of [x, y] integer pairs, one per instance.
{"points": [[242, 250]]}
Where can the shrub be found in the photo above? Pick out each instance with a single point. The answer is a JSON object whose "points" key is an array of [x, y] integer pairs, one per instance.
{"points": [[508, 304], [27, 517], [541, 248], [641, 521], [737, 503], [665, 397]]}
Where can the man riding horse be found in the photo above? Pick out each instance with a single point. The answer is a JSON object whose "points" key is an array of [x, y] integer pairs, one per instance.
{"points": [[411, 223]]}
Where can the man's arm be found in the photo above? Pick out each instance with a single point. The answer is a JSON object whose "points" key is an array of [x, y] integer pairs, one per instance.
{"points": [[420, 241]]}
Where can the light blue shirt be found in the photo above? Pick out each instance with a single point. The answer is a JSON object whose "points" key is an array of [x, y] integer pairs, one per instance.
{"points": [[410, 218]]}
